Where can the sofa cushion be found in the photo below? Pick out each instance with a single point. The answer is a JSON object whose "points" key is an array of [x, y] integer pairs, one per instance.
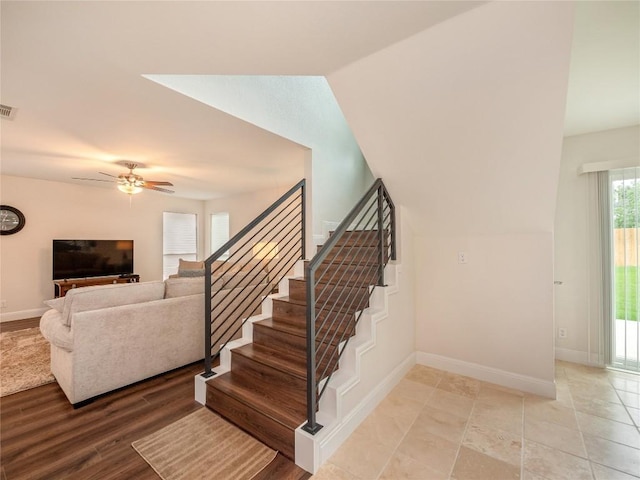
{"points": [[103, 296], [179, 287], [183, 286]]}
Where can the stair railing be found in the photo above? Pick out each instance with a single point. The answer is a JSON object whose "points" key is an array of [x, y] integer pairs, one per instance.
{"points": [[340, 280], [251, 263]]}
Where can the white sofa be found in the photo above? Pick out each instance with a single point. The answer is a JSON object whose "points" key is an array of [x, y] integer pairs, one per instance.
{"points": [[109, 336]]}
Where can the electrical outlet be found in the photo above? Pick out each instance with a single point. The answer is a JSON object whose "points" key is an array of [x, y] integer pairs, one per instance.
{"points": [[562, 333], [462, 257], [3, 304]]}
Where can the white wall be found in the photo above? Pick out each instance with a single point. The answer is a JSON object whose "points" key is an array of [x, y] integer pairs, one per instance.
{"points": [[302, 109], [572, 233], [492, 317], [66, 211], [242, 209], [464, 123]]}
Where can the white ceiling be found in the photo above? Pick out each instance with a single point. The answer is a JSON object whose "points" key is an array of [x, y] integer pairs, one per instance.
{"points": [[74, 71], [604, 76]]}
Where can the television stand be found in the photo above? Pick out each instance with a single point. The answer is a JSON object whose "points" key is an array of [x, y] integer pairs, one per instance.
{"points": [[63, 286]]}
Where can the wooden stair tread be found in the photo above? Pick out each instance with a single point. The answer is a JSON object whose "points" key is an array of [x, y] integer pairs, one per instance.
{"points": [[362, 237], [283, 326], [337, 282], [289, 328], [348, 305], [286, 406], [292, 300], [286, 361]]}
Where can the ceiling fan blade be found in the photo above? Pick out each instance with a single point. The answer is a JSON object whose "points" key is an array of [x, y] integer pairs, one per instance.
{"points": [[152, 183], [92, 179], [107, 174], [151, 187]]}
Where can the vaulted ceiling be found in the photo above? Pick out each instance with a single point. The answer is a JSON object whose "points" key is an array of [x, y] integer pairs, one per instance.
{"points": [[74, 73]]}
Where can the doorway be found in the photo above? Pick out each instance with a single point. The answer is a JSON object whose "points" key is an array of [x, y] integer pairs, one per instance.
{"points": [[624, 187]]}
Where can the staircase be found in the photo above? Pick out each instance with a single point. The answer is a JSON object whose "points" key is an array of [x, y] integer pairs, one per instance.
{"points": [[265, 391], [270, 381]]}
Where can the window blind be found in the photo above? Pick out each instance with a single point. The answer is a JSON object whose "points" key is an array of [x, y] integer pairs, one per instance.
{"points": [[179, 240]]}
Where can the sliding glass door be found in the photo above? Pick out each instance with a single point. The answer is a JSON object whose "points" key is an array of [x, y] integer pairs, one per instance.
{"points": [[624, 188]]}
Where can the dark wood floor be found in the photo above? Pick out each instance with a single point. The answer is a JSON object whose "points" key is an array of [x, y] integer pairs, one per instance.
{"points": [[19, 324], [43, 437]]}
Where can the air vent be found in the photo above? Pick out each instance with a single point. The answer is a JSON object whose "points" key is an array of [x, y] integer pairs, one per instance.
{"points": [[7, 112]]}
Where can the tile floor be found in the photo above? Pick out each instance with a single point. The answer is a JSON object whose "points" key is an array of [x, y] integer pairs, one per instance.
{"points": [[436, 425]]}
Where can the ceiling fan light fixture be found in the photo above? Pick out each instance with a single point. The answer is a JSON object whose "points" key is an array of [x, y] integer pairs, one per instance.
{"points": [[131, 183], [129, 188]]}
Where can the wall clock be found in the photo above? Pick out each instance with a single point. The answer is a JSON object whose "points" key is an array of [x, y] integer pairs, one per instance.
{"points": [[11, 220]]}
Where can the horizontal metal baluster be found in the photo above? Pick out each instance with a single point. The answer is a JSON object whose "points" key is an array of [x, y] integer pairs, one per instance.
{"points": [[249, 293], [392, 209], [258, 292], [352, 297], [284, 211], [258, 264], [344, 334], [244, 314], [250, 241], [292, 254], [350, 272], [351, 307], [329, 246], [333, 251], [360, 283], [342, 263], [247, 243], [228, 245], [356, 263], [337, 301], [357, 319], [348, 308], [330, 361]]}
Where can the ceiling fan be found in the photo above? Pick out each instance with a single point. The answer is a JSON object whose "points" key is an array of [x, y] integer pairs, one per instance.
{"points": [[131, 183]]}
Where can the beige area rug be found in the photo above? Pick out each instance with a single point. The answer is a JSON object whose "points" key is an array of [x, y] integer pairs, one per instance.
{"points": [[24, 361], [204, 446]]}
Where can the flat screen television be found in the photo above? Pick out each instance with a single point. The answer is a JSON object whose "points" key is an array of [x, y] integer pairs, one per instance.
{"points": [[91, 258]]}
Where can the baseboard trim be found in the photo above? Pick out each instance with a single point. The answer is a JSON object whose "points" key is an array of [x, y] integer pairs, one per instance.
{"points": [[200, 389], [22, 314], [329, 440], [579, 356], [516, 381]]}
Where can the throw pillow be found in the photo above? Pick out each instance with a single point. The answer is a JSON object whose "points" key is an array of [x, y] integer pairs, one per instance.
{"points": [[55, 303], [190, 265], [191, 273], [186, 267]]}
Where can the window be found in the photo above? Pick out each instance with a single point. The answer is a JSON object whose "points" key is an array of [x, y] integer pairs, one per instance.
{"points": [[179, 240], [219, 232], [625, 211]]}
